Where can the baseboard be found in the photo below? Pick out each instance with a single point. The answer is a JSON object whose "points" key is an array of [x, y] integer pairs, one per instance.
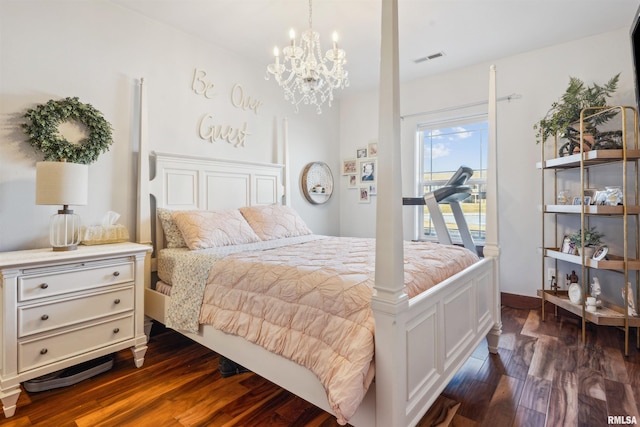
{"points": [[520, 301], [523, 302]]}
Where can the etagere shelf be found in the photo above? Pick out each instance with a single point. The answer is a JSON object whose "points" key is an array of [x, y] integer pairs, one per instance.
{"points": [[627, 263]]}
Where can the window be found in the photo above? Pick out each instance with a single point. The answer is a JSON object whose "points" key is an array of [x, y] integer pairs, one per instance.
{"points": [[443, 148]]}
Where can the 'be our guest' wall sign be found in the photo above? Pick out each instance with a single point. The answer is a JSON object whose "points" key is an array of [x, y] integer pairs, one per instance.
{"points": [[207, 128]]}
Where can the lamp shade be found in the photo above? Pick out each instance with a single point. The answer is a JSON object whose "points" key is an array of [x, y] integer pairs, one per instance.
{"points": [[61, 183]]}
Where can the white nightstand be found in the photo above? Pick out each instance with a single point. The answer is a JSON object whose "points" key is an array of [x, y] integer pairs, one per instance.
{"points": [[64, 308]]}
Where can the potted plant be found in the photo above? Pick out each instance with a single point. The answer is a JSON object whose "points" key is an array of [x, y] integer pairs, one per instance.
{"points": [[592, 239], [563, 118]]}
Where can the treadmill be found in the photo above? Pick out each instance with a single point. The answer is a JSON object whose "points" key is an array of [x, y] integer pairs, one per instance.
{"points": [[452, 193]]}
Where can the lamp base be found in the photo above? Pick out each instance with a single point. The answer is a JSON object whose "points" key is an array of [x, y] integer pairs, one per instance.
{"points": [[64, 230]]}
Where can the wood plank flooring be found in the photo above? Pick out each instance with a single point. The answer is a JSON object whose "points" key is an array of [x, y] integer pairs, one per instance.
{"points": [[543, 375]]}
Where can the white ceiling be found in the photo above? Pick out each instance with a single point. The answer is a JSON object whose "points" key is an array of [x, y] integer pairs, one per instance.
{"points": [[467, 31]]}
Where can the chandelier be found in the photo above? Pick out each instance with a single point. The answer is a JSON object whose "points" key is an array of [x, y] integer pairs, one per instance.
{"points": [[305, 75]]}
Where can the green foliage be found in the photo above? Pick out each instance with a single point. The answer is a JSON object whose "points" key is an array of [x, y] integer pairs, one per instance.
{"points": [[43, 134], [591, 237], [566, 112]]}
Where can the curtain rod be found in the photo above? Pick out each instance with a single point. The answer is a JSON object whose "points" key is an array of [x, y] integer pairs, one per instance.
{"points": [[459, 107]]}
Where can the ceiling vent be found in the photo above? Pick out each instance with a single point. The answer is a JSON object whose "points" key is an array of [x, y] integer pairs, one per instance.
{"points": [[428, 57]]}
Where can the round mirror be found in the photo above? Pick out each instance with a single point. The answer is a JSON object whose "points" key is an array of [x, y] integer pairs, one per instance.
{"points": [[317, 182]]}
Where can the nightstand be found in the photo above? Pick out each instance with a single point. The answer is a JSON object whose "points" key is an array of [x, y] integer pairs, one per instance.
{"points": [[60, 309]]}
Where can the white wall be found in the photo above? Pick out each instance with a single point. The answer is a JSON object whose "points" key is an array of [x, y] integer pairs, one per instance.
{"points": [[97, 51], [540, 77]]}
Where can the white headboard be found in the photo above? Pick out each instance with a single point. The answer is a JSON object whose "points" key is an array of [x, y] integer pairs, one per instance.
{"points": [[189, 182], [182, 182]]}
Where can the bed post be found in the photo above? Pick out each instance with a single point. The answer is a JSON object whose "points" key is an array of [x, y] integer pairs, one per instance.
{"points": [[390, 303], [492, 248], [143, 218], [286, 180], [143, 224]]}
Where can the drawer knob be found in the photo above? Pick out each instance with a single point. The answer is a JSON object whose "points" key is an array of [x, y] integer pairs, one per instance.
{"points": [[44, 351], [116, 273], [44, 286], [116, 301], [116, 330], [44, 317]]}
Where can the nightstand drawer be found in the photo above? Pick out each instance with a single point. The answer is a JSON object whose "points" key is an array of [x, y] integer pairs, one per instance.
{"points": [[37, 318], [60, 282], [55, 347]]}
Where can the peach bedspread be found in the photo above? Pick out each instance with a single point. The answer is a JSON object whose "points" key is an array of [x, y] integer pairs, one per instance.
{"points": [[311, 303]]}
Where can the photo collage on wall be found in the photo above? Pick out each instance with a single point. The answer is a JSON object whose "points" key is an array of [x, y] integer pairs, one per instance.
{"points": [[362, 172]]}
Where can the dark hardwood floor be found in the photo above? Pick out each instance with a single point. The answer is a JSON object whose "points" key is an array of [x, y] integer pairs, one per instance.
{"points": [[543, 375]]}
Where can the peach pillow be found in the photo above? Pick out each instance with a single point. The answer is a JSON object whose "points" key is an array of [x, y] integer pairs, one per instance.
{"points": [[275, 221], [208, 229]]}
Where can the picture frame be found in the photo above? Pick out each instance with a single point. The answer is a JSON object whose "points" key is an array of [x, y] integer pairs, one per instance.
{"points": [[567, 246], [600, 197], [590, 192], [600, 253], [349, 167], [578, 200], [373, 190], [361, 153], [373, 149], [353, 181], [367, 171], [364, 195]]}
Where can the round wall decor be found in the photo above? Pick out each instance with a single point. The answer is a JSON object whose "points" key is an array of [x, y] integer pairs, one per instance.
{"points": [[44, 135], [317, 182]]}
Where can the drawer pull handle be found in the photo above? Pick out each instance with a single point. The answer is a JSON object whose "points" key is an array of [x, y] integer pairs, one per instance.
{"points": [[44, 286], [44, 317], [116, 273], [116, 330], [117, 301], [44, 351]]}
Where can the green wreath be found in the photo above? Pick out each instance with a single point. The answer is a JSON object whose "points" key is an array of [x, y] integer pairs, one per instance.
{"points": [[44, 135]]}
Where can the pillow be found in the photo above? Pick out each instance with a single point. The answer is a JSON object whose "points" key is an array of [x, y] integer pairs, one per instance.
{"points": [[172, 236], [275, 221], [208, 229]]}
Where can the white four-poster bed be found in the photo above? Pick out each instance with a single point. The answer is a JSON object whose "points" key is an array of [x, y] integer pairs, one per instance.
{"points": [[420, 342]]}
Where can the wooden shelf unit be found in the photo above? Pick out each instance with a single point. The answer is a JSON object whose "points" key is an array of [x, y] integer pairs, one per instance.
{"points": [[626, 263], [606, 315]]}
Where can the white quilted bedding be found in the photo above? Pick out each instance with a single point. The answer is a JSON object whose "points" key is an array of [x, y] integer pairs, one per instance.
{"points": [[310, 302]]}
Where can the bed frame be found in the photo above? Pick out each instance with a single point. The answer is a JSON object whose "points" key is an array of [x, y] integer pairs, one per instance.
{"points": [[420, 343]]}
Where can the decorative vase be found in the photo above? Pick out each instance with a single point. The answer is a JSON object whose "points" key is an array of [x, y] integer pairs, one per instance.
{"points": [[588, 251]]}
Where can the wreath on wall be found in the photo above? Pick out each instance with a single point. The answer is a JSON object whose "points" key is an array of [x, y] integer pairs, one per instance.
{"points": [[45, 136]]}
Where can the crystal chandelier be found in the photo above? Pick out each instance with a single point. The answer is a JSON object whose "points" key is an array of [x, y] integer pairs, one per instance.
{"points": [[305, 75]]}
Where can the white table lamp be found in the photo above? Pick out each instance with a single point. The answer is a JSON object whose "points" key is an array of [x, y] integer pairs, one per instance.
{"points": [[62, 183]]}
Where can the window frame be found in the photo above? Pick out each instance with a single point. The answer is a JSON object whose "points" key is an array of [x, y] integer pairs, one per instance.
{"points": [[420, 182]]}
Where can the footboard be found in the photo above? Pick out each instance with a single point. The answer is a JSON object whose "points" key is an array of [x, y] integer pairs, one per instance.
{"points": [[432, 340]]}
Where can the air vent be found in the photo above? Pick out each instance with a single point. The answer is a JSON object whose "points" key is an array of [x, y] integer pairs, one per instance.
{"points": [[428, 57]]}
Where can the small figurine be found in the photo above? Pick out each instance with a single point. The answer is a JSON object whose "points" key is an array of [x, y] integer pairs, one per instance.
{"points": [[573, 277], [596, 290], [631, 305]]}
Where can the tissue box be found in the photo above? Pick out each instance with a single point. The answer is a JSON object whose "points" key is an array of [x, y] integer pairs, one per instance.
{"points": [[101, 234]]}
